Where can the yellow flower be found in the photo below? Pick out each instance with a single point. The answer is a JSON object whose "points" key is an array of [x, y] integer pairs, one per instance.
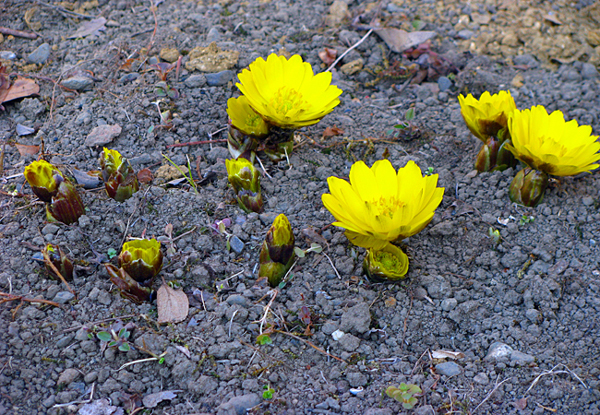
{"points": [[286, 93], [488, 115], [141, 258], [379, 205], [244, 118], [386, 264], [44, 179], [547, 143]]}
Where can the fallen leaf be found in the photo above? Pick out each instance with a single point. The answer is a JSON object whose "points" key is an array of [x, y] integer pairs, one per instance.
{"points": [[517, 81], [90, 27], [145, 176], [23, 87], [520, 403], [328, 55], [446, 354], [172, 305], [89, 180], [102, 134], [150, 401], [399, 40], [552, 18], [25, 150], [100, 407], [390, 302], [332, 132], [184, 350]]}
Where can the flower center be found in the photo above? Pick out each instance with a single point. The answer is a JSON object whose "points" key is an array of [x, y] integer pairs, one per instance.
{"points": [[385, 206], [286, 99], [253, 120]]}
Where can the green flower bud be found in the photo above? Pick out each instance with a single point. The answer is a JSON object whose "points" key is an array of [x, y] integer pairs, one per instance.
{"points": [[493, 155], [141, 259], [241, 145], [528, 187], [59, 260], [245, 180], [128, 287], [277, 253], [44, 179], [66, 205], [386, 264], [119, 178]]}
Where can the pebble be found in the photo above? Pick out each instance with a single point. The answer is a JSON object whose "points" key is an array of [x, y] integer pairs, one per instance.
{"points": [[219, 78], [63, 297], [526, 60], [589, 71], [40, 55], [237, 299], [444, 83], [103, 134], [498, 350], [349, 342], [67, 376], [195, 81], [130, 77], [8, 55], [465, 34], [78, 82], [357, 319], [448, 304], [49, 229], [481, 378], [213, 35], [448, 369], [356, 379], [236, 244], [238, 405]]}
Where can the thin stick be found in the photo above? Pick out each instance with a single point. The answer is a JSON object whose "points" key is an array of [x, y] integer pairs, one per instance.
{"points": [[18, 33], [310, 344], [349, 50], [153, 10], [332, 266], [149, 359], [13, 297], [553, 372], [489, 395], [263, 168], [57, 272]]}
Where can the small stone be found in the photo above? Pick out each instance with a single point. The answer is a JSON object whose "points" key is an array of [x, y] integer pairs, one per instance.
{"points": [[498, 351], [63, 297], [338, 11], [169, 54], [40, 55], [8, 55], [219, 78], [532, 315], [268, 218], [481, 378], [67, 376], [356, 379], [211, 59], [448, 369], [195, 81], [444, 83], [521, 358], [329, 327], [49, 229], [353, 67], [526, 60], [236, 244], [130, 77], [465, 34], [349, 342], [589, 71], [238, 405], [102, 135], [78, 83], [357, 319], [448, 304], [587, 200], [169, 172], [237, 299], [213, 35]]}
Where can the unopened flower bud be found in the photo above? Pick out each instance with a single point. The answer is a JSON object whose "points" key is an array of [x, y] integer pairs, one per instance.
{"points": [[119, 178], [245, 180], [277, 253], [389, 263], [66, 205], [141, 258], [528, 187], [128, 287], [44, 179]]}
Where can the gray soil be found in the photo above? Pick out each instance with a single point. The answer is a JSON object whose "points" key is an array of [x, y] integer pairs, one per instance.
{"points": [[523, 313]]}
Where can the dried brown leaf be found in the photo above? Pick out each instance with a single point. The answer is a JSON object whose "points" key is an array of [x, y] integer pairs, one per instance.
{"points": [[172, 305], [332, 132], [145, 176], [152, 400], [25, 150], [446, 354], [90, 27], [520, 403], [399, 40], [23, 87], [328, 55]]}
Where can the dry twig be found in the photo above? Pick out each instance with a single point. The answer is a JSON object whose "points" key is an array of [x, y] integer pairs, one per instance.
{"points": [[349, 50]]}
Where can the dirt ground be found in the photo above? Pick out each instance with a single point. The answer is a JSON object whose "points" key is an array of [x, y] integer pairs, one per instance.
{"points": [[481, 327]]}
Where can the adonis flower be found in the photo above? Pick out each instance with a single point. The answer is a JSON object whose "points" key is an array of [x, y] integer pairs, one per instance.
{"points": [[246, 128], [546, 142], [141, 259], [487, 119], [549, 146], [386, 264], [245, 180], [277, 252], [380, 205], [44, 179], [286, 93]]}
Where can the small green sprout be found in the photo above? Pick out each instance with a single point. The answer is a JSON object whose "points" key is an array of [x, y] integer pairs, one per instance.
{"points": [[111, 252], [429, 171], [188, 176], [526, 219], [404, 394], [314, 247], [118, 340], [495, 235], [268, 393], [264, 339], [408, 116]]}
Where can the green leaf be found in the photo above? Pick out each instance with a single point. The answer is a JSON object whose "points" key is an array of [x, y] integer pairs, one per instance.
{"points": [[111, 252], [104, 336], [315, 247], [264, 339], [410, 114], [268, 394], [124, 347], [299, 252], [124, 334]]}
